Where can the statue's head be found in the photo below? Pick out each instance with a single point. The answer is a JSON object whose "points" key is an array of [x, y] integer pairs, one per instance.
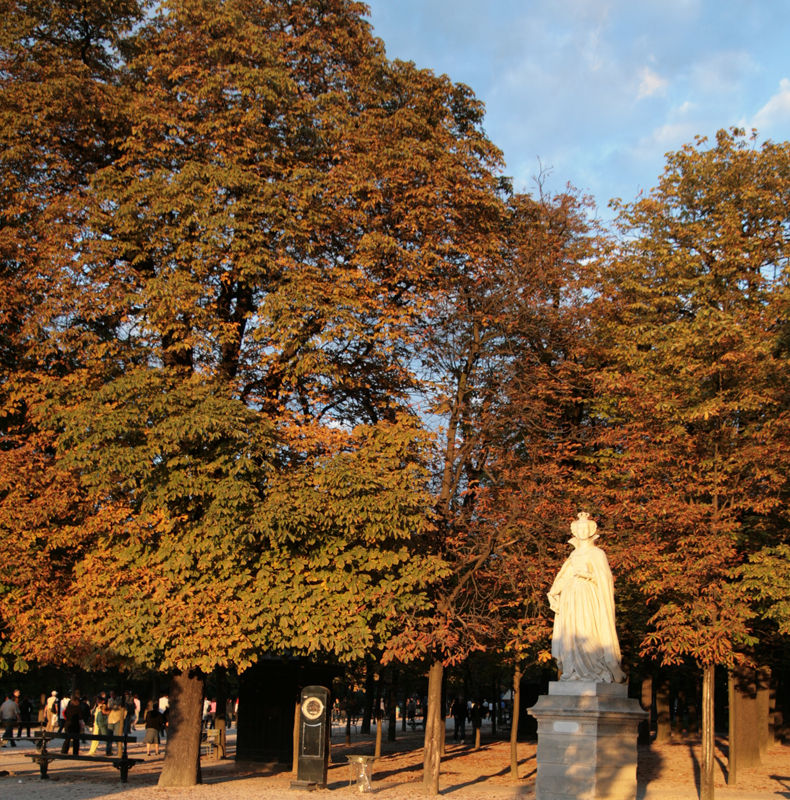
{"points": [[583, 527]]}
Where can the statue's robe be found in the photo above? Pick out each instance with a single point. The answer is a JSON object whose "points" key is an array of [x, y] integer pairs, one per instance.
{"points": [[584, 641]]}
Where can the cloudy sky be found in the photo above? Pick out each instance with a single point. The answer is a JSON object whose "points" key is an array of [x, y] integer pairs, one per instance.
{"points": [[598, 91]]}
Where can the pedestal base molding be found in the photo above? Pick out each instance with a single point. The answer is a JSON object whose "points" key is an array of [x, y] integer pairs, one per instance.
{"points": [[587, 735]]}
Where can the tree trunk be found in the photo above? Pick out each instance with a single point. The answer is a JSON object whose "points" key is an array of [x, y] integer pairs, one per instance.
{"points": [[222, 738], [764, 709], [379, 726], [748, 722], [433, 730], [443, 716], [184, 726], [494, 706], [392, 708], [295, 738], [392, 725], [708, 731], [732, 734], [663, 719], [647, 704], [514, 723], [370, 695], [348, 724], [220, 722]]}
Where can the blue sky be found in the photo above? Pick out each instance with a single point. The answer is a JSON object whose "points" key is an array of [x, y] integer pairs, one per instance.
{"points": [[597, 91]]}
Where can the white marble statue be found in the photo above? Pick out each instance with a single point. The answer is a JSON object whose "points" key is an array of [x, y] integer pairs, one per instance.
{"points": [[584, 640]]}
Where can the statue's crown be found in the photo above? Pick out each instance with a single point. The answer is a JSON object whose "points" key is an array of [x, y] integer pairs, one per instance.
{"points": [[583, 527]]}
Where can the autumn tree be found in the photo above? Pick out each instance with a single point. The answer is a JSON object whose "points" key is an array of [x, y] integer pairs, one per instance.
{"points": [[226, 427], [502, 387], [693, 404], [59, 125], [453, 351], [537, 475]]}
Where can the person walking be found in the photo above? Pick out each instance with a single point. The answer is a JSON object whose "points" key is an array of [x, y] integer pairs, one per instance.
{"points": [[99, 721], [154, 722], [115, 719], [458, 713], [136, 717], [25, 714], [101, 717], [52, 712], [62, 713], [9, 714], [72, 724], [42, 712], [128, 720]]}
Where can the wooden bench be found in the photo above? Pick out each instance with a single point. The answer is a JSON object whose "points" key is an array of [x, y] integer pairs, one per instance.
{"points": [[42, 756]]}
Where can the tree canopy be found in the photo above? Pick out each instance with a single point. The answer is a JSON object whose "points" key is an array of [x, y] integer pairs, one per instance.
{"points": [[694, 399], [209, 401]]}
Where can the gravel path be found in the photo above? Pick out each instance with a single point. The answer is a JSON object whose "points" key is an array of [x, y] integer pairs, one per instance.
{"points": [[666, 772]]}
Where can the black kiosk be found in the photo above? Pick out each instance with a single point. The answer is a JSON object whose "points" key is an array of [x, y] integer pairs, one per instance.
{"points": [[314, 723]]}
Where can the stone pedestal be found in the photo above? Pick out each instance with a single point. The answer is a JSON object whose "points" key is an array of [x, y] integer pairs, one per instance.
{"points": [[587, 735]]}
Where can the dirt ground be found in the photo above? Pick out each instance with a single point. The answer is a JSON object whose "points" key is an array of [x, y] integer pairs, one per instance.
{"points": [[665, 772]]}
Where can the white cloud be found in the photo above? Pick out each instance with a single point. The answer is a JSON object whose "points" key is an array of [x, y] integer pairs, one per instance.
{"points": [[650, 83], [600, 91], [669, 136], [776, 110]]}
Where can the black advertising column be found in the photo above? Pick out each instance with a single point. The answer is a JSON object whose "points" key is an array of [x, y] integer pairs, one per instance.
{"points": [[313, 736]]}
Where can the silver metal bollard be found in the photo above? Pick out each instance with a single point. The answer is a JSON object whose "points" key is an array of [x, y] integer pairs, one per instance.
{"points": [[360, 772]]}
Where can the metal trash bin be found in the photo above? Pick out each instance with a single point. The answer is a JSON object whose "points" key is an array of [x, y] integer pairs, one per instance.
{"points": [[360, 772]]}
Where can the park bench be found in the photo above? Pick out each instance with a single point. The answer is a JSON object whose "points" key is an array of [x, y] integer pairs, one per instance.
{"points": [[42, 756]]}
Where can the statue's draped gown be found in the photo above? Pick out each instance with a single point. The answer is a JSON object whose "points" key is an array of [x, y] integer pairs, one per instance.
{"points": [[582, 596]]}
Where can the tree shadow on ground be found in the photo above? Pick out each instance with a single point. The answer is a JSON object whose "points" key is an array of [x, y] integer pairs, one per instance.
{"points": [[784, 782], [483, 778], [649, 764], [722, 757], [697, 768], [387, 768]]}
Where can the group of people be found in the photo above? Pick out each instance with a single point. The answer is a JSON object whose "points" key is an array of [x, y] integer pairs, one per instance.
{"points": [[110, 715], [462, 710], [210, 710]]}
